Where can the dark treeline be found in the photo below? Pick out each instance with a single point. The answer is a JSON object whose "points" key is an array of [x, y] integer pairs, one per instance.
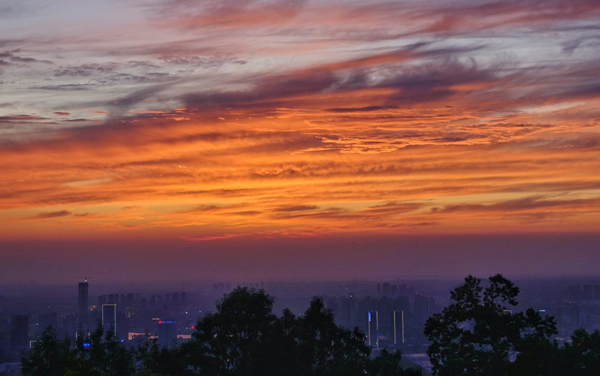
{"points": [[480, 335], [243, 337]]}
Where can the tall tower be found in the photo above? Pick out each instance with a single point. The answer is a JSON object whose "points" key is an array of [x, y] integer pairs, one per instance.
{"points": [[398, 320], [83, 304], [109, 317], [372, 327], [167, 333], [19, 331]]}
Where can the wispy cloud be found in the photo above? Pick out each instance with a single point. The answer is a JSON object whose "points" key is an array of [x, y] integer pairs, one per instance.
{"points": [[51, 215]]}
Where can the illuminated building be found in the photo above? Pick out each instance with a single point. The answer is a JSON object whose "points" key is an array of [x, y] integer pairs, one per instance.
{"points": [[398, 326], [372, 325], [167, 333]]}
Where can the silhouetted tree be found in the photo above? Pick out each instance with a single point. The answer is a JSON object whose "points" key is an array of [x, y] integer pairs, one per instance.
{"points": [[99, 354], [231, 341], [583, 353], [323, 348], [388, 364], [105, 353], [50, 356], [158, 360], [243, 337], [478, 334]]}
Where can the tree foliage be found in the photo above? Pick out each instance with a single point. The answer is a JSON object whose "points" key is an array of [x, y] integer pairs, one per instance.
{"points": [[243, 337], [50, 356], [96, 354], [479, 335]]}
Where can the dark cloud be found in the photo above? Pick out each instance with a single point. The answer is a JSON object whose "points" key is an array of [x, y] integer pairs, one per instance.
{"points": [[11, 42], [204, 208], [127, 78], [126, 102], [65, 87], [409, 84], [201, 61], [112, 73], [79, 120], [86, 70], [18, 118], [523, 204], [50, 215], [240, 192], [141, 64], [328, 213], [294, 208], [246, 212], [6, 10], [10, 56], [59, 113], [582, 90], [361, 109]]}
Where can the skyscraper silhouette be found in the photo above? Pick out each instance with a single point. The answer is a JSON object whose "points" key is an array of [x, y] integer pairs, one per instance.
{"points": [[83, 304], [19, 331]]}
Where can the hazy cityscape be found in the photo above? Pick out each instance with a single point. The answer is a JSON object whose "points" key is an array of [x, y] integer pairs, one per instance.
{"points": [[392, 313]]}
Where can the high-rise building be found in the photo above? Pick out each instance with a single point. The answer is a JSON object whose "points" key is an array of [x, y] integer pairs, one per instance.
{"points": [[109, 317], [19, 331], [424, 307], [167, 332], [372, 327], [70, 325], [398, 317], [83, 305]]}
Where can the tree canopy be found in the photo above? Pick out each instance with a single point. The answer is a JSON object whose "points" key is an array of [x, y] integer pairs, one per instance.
{"points": [[244, 337], [480, 334]]}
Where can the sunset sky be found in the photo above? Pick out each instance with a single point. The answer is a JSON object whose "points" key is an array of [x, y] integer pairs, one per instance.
{"points": [[298, 138]]}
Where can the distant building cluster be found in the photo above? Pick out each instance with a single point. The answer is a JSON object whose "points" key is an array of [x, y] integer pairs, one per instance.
{"points": [[393, 318], [168, 317], [579, 307]]}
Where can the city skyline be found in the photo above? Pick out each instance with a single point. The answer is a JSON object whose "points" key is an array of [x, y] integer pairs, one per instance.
{"points": [[148, 140]]}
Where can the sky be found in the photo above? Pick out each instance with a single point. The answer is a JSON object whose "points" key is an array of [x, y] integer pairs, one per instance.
{"points": [[298, 138]]}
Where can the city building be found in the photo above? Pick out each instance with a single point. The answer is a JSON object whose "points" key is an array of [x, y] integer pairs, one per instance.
{"points": [[83, 305], [167, 332], [19, 331], [372, 327], [399, 332], [109, 317]]}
